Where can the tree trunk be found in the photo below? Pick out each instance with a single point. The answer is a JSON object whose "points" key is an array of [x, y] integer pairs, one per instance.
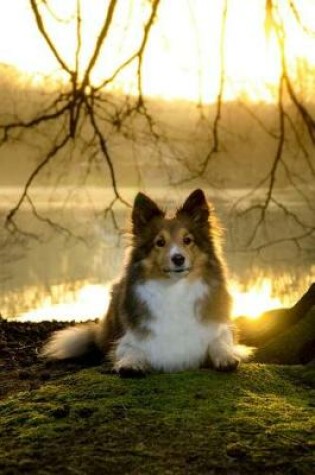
{"points": [[284, 336]]}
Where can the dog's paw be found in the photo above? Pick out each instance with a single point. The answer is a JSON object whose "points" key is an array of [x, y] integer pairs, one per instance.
{"points": [[130, 372], [227, 366], [127, 368], [226, 362]]}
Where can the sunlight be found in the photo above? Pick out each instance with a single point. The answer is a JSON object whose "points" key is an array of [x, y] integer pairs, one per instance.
{"points": [[254, 301], [182, 59], [90, 301]]}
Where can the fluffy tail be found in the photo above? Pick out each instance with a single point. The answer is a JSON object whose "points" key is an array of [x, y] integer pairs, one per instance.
{"points": [[71, 342], [243, 352]]}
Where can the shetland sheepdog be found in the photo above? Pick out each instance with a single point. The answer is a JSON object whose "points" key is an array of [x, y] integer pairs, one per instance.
{"points": [[170, 311]]}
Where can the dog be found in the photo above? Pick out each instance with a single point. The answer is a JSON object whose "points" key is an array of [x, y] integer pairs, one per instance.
{"points": [[170, 310]]}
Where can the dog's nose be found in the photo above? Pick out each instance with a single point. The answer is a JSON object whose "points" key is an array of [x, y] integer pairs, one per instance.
{"points": [[178, 260]]}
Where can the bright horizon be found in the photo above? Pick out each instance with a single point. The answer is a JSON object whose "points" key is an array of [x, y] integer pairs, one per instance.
{"points": [[89, 301], [182, 60]]}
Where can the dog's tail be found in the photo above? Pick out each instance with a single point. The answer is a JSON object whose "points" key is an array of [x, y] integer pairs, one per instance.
{"points": [[72, 342], [243, 352]]}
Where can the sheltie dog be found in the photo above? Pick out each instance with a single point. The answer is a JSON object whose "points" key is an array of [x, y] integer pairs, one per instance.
{"points": [[170, 311]]}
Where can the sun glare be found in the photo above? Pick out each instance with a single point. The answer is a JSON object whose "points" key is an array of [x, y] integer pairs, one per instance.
{"points": [[86, 303], [182, 58], [90, 301], [254, 301]]}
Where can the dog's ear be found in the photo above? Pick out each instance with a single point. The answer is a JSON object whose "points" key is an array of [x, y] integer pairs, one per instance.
{"points": [[144, 210], [196, 207]]}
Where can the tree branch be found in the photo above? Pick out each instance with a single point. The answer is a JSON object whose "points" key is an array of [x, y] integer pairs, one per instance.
{"points": [[40, 26], [100, 41], [53, 152], [103, 146]]}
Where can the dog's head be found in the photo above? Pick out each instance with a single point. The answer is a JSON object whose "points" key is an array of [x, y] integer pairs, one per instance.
{"points": [[172, 247]]}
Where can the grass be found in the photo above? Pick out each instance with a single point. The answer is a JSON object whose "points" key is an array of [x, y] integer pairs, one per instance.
{"points": [[260, 419]]}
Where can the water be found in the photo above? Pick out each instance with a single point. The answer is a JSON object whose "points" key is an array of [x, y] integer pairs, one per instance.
{"points": [[66, 275]]}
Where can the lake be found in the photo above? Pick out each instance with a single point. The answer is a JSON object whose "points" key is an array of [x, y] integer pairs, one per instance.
{"points": [[67, 274]]}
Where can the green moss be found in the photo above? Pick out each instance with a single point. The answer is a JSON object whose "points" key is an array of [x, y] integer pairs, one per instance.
{"points": [[181, 423]]}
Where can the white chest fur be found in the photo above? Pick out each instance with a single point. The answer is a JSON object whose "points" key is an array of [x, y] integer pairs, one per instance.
{"points": [[178, 339], [172, 303]]}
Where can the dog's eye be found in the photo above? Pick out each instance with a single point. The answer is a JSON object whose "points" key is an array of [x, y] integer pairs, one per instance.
{"points": [[187, 240], [160, 242]]}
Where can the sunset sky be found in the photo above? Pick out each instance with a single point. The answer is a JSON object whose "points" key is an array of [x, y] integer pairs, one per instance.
{"points": [[182, 59]]}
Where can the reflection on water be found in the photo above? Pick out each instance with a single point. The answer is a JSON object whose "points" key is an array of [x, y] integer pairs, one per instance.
{"points": [[60, 278], [258, 298], [82, 301]]}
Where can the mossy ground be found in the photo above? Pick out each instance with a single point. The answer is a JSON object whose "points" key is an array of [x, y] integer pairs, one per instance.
{"points": [[257, 420], [69, 419]]}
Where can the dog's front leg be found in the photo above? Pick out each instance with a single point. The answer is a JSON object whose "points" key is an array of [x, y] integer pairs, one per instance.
{"points": [[224, 354], [129, 359]]}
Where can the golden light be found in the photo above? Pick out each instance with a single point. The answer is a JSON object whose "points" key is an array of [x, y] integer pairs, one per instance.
{"points": [[182, 59], [254, 301], [85, 303], [90, 301]]}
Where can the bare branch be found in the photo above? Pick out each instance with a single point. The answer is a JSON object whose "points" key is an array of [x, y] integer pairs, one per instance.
{"points": [[302, 109], [100, 41], [300, 143], [292, 215], [273, 171], [295, 239], [79, 39], [258, 120], [92, 115], [306, 116], [302, 194], [54, 15], [51, 223], [6, 128], [284, 82], [138, 55], [103, 145], [53, 152], [217, 118], [41, 27], [298, 18]]}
